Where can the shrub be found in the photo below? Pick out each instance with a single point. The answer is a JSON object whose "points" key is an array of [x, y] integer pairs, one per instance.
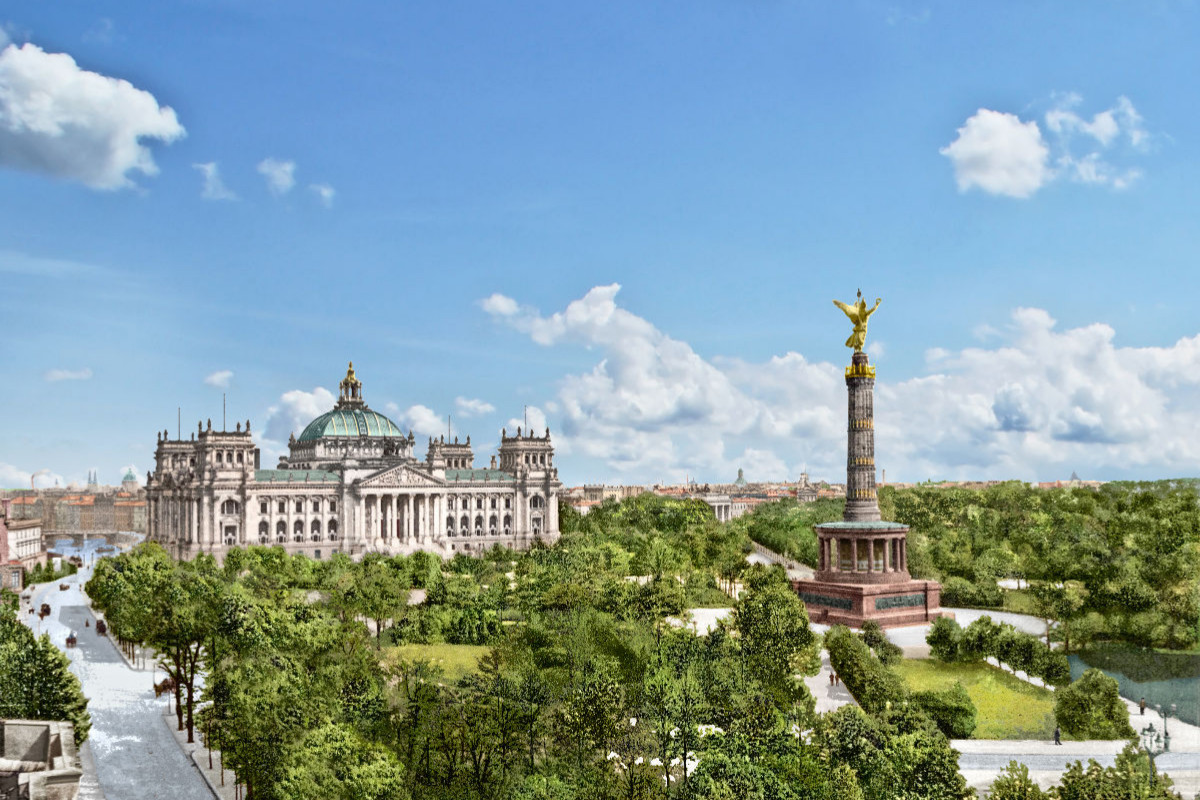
{"points": [[1052, 667], [944, 639], [889, 654], [950, 709], [1090, 708], [1014, 783], [871, 683], [979, 639]]}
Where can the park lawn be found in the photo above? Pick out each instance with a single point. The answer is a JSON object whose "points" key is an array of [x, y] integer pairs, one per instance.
{"points": [[1019, 601], [1006, 706], [456, 660]]}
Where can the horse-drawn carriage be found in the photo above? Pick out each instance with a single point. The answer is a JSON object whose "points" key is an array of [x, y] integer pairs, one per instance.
{"points": [[44, 611], [101, 628], [166, 687], [62, 587], [72, 640]]}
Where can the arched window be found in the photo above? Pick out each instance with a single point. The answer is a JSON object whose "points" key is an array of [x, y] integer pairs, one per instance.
{"points": [[333, 530], [507, 524], [281, 532], [264, 532], [229, 507], [299, 506], [492, 525], [282, 507], [298, 531], [493, 505], [479, 525], [316, 505], [450, 525], [465, 524], [537, 502], [508, 502], [316, 530], [537, 525], [479, 502]]}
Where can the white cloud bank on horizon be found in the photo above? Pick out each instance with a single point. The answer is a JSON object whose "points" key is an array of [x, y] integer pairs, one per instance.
{"points": [[16, 478], [1000, 154], [61, 120], [1041, 402]]}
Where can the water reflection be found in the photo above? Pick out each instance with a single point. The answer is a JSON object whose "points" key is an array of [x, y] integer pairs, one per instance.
{"points": [[1161, 678]]}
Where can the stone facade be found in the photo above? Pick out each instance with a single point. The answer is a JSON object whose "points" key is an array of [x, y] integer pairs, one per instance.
{"points": [[351, 484]]}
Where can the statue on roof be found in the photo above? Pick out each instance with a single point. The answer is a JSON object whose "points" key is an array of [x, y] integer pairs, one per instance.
{"points": [[858, 314]]}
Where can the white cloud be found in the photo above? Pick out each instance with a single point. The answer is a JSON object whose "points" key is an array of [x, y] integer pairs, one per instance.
{"points": [[60, 120], [422, 420], [471, 407], [220, 379], [15, 478], [4, 38], [55, 375], [214, 188], [325, 193], [1000, 154], [280, 175], [499, 305], [532, 419], [1037, 403], [293, 412]]}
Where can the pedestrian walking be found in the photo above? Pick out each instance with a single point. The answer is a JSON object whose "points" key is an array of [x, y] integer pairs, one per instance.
{"points": [[831, 679], [1057, 735], [1142, 706]]}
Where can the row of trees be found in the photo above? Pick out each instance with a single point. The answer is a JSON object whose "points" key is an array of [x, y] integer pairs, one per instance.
{"points": [[984, 638]]}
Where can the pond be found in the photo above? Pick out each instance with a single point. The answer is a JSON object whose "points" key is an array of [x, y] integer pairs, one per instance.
{"points": [[1161, 678], [89, 550]]}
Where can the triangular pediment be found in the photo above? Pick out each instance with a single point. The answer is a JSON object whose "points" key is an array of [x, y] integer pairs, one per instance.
{"points": [[402, 476]]}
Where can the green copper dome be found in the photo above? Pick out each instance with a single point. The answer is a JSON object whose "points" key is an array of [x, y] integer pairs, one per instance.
{"points": [[350, 422]]}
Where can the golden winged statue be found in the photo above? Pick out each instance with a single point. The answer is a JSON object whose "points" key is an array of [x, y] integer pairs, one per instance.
{"points": [[858, 314]]}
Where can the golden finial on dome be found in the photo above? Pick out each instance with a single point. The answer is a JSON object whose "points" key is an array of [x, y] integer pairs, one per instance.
{"points": [[350, 372]]}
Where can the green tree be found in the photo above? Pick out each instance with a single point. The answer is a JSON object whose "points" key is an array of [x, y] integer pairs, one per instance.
{"points": [[1091, 708]]}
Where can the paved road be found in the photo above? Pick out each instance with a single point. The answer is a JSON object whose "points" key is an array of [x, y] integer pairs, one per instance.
{"points": [[136, 756]]}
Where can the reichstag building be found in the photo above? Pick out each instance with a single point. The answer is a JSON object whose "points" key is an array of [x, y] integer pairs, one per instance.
{"points": [[350, 484]]}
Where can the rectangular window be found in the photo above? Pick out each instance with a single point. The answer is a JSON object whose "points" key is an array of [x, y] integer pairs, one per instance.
{"points": [[239, 457], [333, 505], [262, 508], [299, 506], [282, 507], [316, 505], [219, 458]]}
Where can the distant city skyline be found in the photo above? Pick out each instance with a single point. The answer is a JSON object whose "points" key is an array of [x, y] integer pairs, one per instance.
{"points": [[629, 218]]}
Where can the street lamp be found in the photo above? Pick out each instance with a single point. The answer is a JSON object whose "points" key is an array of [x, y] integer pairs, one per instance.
{"points": [[1152, 743]]}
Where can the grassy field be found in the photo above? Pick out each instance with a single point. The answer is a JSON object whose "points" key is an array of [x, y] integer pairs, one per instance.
{"points": [[456, 660], [1006, 707], [1019, 601]]}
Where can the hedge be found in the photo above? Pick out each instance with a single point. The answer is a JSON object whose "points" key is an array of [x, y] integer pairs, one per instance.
{"points": [[872, 684]]}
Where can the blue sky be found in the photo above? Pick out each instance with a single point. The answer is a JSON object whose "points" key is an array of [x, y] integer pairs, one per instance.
{"points": [[450, 194]]}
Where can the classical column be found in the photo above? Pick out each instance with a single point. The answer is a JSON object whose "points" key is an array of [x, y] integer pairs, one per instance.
{"points": [[854, 555]]}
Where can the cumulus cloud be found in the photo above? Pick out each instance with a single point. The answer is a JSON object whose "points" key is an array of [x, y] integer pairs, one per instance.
{"points": [[421, 420], [499, 305], [472, 407], [56, 375], [220, 379], [15, 478], [293, 412], [61, 120], [213, 188], [533, 419], [280, 175], [1000, 154], [1035, 404], [324, 192]]}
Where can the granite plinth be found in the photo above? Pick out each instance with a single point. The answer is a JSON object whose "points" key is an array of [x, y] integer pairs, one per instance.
{"points": [[911, 602]]}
